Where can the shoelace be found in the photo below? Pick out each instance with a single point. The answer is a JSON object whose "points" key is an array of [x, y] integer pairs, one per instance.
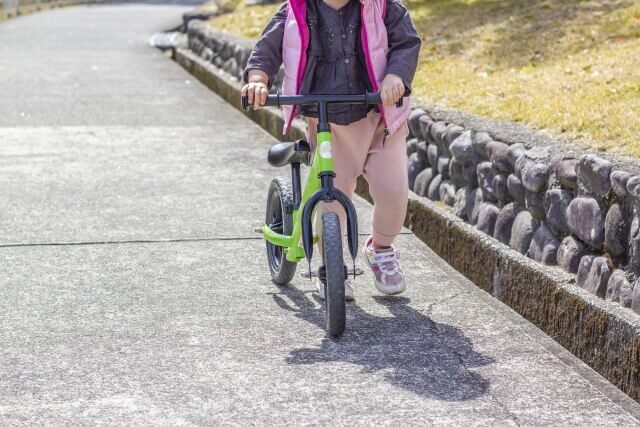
{"points": [[387, 260]]}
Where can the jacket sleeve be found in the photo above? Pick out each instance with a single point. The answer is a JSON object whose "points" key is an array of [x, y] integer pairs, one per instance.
{"points": [[266, 55], [404, 42]]}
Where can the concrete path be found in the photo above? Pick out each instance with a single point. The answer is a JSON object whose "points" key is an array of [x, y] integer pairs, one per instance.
{"points": [[134, 291]]}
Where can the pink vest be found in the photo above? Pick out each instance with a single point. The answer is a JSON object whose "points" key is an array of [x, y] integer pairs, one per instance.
{"points": [[373, 35]]}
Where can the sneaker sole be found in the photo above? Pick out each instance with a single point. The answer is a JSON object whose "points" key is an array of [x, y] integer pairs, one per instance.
{"points": [[387, 292], [347, 297]]}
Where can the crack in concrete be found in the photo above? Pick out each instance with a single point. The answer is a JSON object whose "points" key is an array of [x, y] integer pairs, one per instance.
{"points": [[460, 357], [505, 409], [143, 241], [444, 300], [555, 354], [124, 242]]}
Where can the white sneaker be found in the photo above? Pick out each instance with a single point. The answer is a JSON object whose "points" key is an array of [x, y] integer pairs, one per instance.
{"points": [[387, 274], [348, 290]]}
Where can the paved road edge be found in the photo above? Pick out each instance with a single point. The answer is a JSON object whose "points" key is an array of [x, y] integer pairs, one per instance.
{"points": [[27, 9]]}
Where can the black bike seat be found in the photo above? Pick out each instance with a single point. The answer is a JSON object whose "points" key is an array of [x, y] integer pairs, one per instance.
{"points": [[284, 153]]}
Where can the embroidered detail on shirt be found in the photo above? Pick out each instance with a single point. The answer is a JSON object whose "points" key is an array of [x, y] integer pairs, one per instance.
{"points": [[312, 21]]}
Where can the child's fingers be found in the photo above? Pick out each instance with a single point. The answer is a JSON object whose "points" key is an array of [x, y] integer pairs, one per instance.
{"points": [[386, 97], [250, 90], [392, 95], [263, 95], [257, 103], [400, 89], [397, 92]]}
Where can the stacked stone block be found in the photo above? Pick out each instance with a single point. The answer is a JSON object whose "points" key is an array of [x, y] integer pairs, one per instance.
{"points": [[575, 213], [226, 51]]}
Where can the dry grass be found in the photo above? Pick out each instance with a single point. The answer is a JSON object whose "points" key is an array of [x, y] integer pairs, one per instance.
{"points": [[246, 21], [570, 66]]}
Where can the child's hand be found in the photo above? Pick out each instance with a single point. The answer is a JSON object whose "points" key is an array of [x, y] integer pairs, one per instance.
{"points": [[256, 90], [391, 89]]}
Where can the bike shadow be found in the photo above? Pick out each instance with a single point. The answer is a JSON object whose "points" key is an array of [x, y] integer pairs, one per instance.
{"points": [[412, 351]]}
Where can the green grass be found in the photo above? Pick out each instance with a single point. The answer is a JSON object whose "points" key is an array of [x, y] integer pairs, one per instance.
{"points": [[571, 67]]}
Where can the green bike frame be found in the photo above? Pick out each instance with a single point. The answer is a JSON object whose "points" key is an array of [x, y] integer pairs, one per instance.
{"points": [[323, 162], [319, 184], [318, 188]]}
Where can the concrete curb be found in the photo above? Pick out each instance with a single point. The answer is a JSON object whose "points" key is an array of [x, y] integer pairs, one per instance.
{"points": [[602, 334]]}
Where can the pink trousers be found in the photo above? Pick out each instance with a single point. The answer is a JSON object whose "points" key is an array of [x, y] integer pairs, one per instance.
{"points": [[361, 149]]}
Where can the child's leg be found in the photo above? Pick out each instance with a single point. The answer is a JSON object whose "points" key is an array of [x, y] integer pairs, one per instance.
{"points": [[350, 147], [386, 172]]}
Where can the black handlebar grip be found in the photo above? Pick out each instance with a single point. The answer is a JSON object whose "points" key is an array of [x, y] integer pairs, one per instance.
{"points": [[272, 100], [376, 98], [244, 100], [373, 98]]}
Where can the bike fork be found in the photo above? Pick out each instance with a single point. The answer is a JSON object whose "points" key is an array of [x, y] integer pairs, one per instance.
{"points": [[328, 193]]}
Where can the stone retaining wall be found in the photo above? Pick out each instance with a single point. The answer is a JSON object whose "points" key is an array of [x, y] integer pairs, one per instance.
{"points": [[485, 203], [579, 213], [226, 51]]}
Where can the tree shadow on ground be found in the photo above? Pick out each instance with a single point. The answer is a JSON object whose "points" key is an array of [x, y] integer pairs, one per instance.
{"points": [[526, 31], [415, 353]]}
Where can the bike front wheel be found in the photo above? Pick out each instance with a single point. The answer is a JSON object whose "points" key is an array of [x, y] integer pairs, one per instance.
{"points": [[334, 272]]}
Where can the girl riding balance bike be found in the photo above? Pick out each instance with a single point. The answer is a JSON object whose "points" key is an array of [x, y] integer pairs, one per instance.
{"points": [[348, 47]]}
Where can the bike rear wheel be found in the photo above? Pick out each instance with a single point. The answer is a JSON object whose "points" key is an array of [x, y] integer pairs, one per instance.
{"points": [[334, 273], [278, 217]]}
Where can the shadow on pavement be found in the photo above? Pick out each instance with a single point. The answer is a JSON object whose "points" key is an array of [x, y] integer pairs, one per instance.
{"points": [[413, 352]]}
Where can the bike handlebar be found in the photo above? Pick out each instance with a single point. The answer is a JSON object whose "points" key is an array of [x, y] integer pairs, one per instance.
{"points": [[277, 100]]}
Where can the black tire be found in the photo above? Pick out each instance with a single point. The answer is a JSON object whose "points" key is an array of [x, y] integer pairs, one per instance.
{"points": [[334, 266], [279, 200]]}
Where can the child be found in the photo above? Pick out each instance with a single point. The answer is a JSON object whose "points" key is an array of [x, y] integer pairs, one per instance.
{"points": [[349, 47]]}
